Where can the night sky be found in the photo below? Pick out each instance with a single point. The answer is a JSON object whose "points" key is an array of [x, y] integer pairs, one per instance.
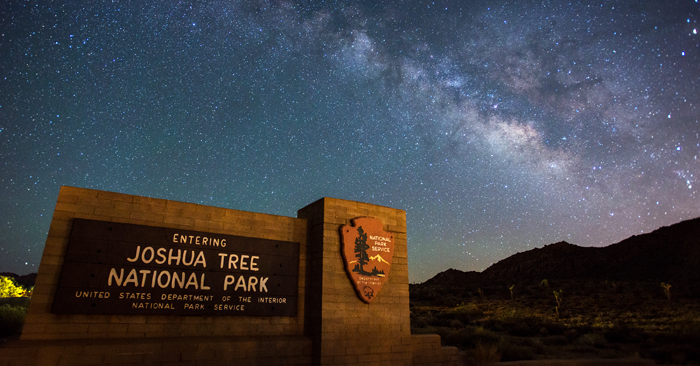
{"points": [[499, 126]]}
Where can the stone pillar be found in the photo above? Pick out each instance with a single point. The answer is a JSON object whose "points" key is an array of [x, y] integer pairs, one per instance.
{"points": [[343, 328]]}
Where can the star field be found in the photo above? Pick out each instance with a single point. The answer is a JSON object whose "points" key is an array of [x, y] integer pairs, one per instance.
{"points": [[498, 126]]}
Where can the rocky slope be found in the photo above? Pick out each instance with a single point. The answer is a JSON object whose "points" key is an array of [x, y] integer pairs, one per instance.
{"points": [[669, 254]]}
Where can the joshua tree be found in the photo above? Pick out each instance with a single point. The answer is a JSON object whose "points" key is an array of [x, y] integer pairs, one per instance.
{"points": [[481, 293], [511, 291], [667, 290], [557, 296], [544, 283]]}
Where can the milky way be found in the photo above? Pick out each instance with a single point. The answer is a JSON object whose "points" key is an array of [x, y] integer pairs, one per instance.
{"points": [[498, 126]]}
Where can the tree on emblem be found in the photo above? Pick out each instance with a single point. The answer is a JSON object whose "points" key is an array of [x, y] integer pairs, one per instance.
{"points": [[361, 252]]}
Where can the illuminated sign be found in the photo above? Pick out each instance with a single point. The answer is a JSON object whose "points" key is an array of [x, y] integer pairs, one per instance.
{"points": [[115, 268], [368, 251]]}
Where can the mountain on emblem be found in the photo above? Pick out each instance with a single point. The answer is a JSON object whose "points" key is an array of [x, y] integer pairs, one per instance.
{"points": [[379, 259], [367, 251]]}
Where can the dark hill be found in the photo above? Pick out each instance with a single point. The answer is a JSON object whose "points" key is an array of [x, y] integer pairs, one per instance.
{"points": [[670, 254], [455, 278], [561, 260]]}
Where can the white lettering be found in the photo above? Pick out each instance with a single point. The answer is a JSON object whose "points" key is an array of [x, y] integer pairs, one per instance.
{"points": [[228, 280], [198, 240], [143, 255], [192, 281], [232, 260], [145, 273], [132, 277], [184, 258], [136, 256], [200, 260], [98, 294], [240, 283], [273, 300], [201, 283], [161, 255], [244, 284], [180, 280], [170, 257], [160, 276], [252, 282], [113, 274]]}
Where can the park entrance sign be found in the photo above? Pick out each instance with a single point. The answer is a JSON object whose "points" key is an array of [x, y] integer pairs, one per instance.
{"points": [[116, 268], [126, 279]]}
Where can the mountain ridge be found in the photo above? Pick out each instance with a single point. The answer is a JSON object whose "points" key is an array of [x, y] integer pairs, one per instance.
{"points": [[669, 253]]}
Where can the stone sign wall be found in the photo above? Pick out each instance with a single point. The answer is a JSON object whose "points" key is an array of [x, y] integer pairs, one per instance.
{"points": [[134, 280], [144, 222]]}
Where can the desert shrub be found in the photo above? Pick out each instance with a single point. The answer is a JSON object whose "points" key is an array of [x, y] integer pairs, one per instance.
{"points": [[592, 340], [489, 323], [581, 349], [469, 337], [674, 354], [687, 331], [621, 333], [11, 319], [571, 334], [464, 313], [516, 321], [512, 352], [440, 321], [515, 314], [10, 288], [469, 309], [535, 344], [448, 301], [524, 329], [556, 340], [528, 291], [419, 322], [485, 354], [553, 329], [585, 328]]}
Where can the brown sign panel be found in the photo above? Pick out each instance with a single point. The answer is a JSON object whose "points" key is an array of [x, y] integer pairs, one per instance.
{"points": [[114, 268], [368, 251]]}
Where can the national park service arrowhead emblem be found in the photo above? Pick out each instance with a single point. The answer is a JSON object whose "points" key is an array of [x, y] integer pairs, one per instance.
{"points": [[368, 251]]}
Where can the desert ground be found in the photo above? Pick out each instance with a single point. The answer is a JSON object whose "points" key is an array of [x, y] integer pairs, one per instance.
{"points": [[593, 319]]}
